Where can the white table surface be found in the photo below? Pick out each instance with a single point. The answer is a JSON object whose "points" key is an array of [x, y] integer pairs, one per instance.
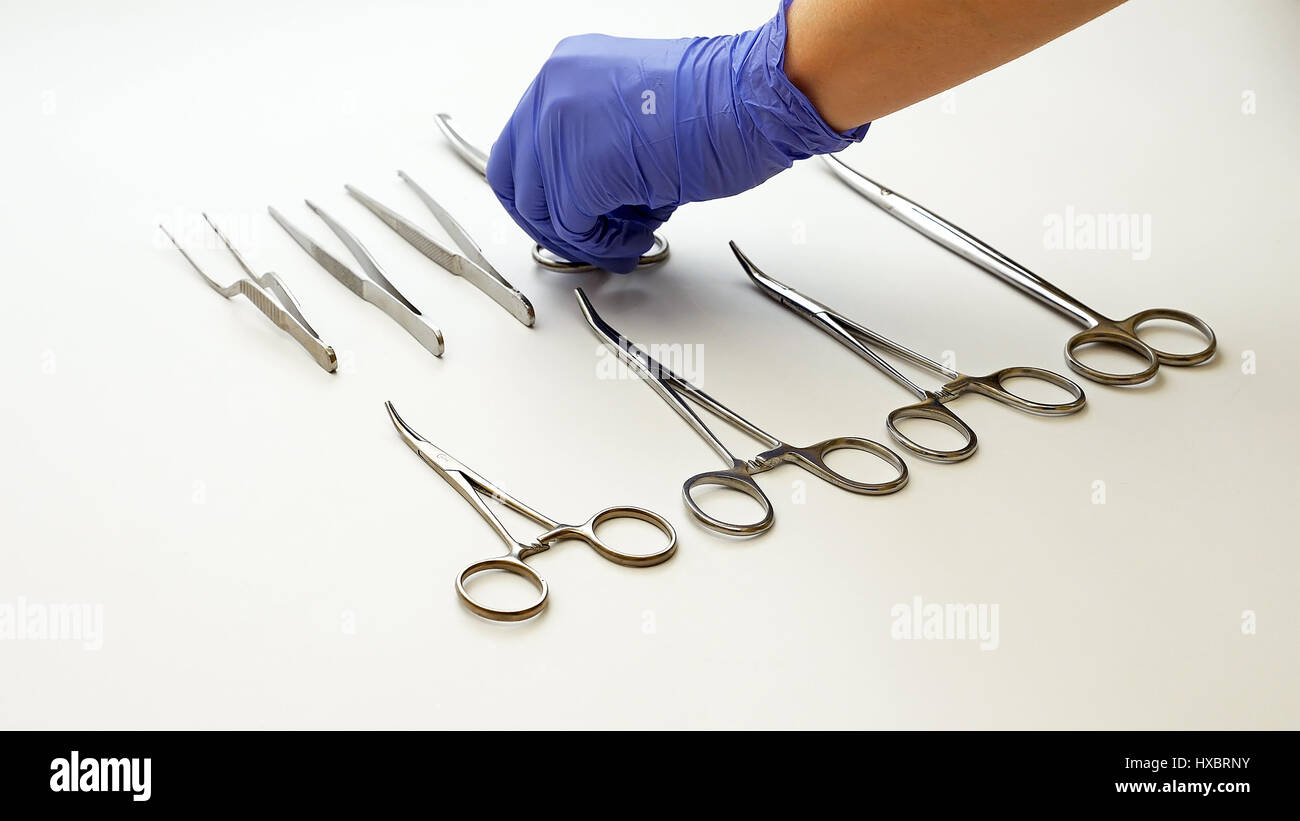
{"points": [[266, 553]]}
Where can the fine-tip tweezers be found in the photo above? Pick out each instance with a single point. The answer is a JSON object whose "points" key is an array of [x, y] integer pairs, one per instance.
{"points": [[376, 289], [282, 308], [469, 263]]}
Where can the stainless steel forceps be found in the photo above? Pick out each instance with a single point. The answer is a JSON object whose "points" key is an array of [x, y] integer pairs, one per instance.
{"points": [[858, 339], [254, 287], [376, 289], [1098, 328], [469, 264], [477, 159], [675, 390], [470, 485]]}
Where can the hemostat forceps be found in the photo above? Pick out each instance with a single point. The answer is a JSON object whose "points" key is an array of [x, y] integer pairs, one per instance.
{"points": [[376, 289], [475, 158], [739, 474], [1098, 328], [470, 263], [859, 339], [470, 485], [254, 287]]}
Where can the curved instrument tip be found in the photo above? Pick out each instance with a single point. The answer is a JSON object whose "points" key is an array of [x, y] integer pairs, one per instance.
{"points": [[598, 325], [588, 310], [775, 288], [745, 262], [754, 273], [470, 154], [404, 430]]}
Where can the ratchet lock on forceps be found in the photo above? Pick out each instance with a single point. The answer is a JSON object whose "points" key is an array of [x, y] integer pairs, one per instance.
{"points": [[739, 474], [1099, 329], [863, 341]]}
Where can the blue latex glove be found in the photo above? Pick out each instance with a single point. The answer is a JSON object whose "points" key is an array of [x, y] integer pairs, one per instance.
{"points": [[615, 133]]}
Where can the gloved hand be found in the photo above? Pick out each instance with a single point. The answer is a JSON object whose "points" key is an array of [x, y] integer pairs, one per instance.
{"points": [[615, 133]]}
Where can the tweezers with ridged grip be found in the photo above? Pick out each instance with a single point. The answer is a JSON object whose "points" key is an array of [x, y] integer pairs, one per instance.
{"points": [[376, 289], [286, 314], [469, 264]]}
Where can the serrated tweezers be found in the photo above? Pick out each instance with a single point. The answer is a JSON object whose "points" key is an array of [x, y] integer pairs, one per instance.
{"points": [[469, 264], [282, 308], [374, 287]]}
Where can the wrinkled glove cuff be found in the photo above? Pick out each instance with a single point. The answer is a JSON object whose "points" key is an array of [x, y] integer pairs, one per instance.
{"points": [[781, 112]]}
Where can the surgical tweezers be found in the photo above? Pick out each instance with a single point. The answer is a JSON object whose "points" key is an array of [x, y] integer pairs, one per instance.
{"points": [[376, 290], [470, 263], [254, 287], [475, 158]]}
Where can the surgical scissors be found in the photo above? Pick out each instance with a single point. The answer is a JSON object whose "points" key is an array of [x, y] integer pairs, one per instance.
{"points": [[858, 339], [254, 287], [470, 485], [1098, 328], [469, 264], [376, 290], [475, 158], [675, 390]]}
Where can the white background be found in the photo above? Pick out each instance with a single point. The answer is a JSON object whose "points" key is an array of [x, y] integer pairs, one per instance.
{"points": [[268, 554]]}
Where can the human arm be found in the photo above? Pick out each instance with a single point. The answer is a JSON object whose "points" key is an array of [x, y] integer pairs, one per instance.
{"points": [[615, 133]]}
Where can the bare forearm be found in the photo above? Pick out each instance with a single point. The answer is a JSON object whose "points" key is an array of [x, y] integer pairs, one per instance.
{"points": [[858, 60]]}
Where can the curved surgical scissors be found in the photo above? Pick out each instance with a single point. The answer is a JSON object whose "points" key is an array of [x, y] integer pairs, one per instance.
{"points": [[1098, 328], [475, 158], [675, 390], [470, 485], [858, 338]]}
